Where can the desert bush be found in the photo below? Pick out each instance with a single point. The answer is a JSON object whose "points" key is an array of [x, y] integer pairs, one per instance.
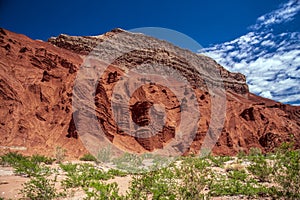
{"points": [[81, 175], [11, 158], [68, 167], [193, 173], [235, 187], [255, 152], [185, 181], [100, 190], [241, 154], [40, 187], [287, 171], [60, 154], [90, 179], [218, 161], [236, 183], [260, 168], [158, 184], [30, 168], [188, 178], [129, 162], [42, 159], [88, 157], [240, 175], [116, 172], [104, 155]]}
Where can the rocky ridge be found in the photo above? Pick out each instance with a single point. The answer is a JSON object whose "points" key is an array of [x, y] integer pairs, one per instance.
{"points": [[36, 83]]}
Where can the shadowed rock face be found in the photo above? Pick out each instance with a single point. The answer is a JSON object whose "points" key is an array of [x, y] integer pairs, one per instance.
{"points": [[36, 84]]}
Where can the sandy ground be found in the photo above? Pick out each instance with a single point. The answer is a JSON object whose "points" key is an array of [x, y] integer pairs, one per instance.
{"points": [[11, 184]]}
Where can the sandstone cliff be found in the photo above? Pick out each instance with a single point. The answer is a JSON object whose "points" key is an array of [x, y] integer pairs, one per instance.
{"points": [[36, 88]]}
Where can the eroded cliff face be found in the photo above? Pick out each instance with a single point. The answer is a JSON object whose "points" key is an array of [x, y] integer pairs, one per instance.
{"points": [[36, 88], [36, 81]]}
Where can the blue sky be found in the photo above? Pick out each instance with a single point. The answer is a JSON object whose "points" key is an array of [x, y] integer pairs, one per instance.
{"points": [[268, 54], [259, 38], [207, 22]]}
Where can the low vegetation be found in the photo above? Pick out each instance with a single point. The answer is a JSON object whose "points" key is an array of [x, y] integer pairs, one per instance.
{"points": [[88, 157], [255, 175], [60, 154]]}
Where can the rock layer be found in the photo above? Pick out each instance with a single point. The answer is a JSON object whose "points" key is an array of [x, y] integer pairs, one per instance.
{"points": [[36, 88]]}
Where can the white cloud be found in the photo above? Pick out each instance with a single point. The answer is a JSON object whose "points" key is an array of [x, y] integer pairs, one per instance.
{"points": [[266, 94], [285, 13], [271, 62], [229, 47], [291, 98], [268, 43], [273, 75], [233, 53]]}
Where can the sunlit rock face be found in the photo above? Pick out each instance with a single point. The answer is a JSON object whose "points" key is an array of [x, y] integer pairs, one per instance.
{"points": [[36, 90]]}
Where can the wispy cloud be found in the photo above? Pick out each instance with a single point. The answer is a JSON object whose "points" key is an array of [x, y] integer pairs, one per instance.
{"points": [[284, 13], [270, 61]]}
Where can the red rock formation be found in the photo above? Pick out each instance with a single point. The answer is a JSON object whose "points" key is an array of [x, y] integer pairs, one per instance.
{"points": [[36, 83]]}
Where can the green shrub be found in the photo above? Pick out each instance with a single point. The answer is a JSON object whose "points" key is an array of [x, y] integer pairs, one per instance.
{"points": [[255, 152], [12, 158], [40, 187], [60, 154], [88, 157], [68, 167], [260, 168], [287, 171], [241, 154], [218, 161], [30, 168], [240, 175], [42, 159], [104, 155], [100, 190], [238, 182], [129, 162], [236, 187], [81, 175], [116, 172], [193, 174], [185, 181], [159, 184]]}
